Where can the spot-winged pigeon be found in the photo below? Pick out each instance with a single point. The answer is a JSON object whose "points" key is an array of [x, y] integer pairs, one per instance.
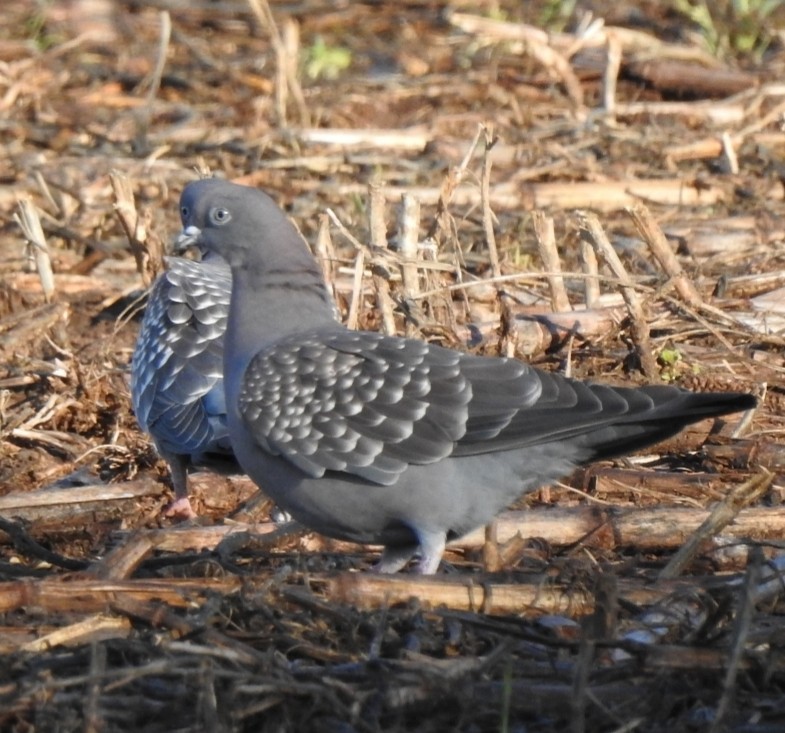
{"points": [[177, 369], [385, 440]]}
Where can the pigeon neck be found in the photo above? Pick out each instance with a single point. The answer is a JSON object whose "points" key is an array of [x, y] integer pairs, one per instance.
{"points": [[273, 300]]}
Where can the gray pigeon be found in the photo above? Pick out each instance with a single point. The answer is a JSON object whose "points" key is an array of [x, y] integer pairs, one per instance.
{"points": [[385, 440], [177, 370]]}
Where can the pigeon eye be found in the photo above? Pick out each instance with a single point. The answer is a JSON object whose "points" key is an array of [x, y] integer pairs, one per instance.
{"points": [[220, 215], [184, 212]]}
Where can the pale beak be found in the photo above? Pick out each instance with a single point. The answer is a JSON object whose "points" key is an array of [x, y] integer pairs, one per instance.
{"points": [[188, 237]]}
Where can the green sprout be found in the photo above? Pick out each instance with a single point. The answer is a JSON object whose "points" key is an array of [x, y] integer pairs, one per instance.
{"points": [[732, 26], [556, 14], [326, 62], [669, 360], [35, 28]]}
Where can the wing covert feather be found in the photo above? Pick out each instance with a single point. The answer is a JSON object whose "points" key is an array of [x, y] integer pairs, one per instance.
{"points": [[357, 402]]}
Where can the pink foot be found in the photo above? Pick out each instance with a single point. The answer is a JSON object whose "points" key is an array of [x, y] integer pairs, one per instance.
{"points": [[180, 509]]}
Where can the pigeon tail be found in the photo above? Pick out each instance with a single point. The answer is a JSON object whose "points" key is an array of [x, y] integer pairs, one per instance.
{"points": [[677, 411]]}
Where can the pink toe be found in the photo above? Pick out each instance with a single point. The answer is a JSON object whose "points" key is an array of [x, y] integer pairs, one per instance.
{"points": [[180, 509]]}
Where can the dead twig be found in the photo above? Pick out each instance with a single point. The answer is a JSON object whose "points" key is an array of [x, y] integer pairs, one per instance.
{"points": [[146, 247], [409, 249], [745, 611], [30, 223], [546, 244], [378, 232], [145, 113], [639, 329], [286, 56], [659, 247], [721, 516]]}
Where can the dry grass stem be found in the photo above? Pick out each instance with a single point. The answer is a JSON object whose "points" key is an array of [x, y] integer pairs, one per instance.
{"points": [[485, 203], [409, 250], [355, 304], [379, 274], [730, 154], [325, 253], [145, 113], [30, 223], [745, 611], [639, 329], [286, 55], [411, 139], [146, 247], [546, 244], [591, 285], [721, 516], [610, 75], [607, 196], [661, 249]]}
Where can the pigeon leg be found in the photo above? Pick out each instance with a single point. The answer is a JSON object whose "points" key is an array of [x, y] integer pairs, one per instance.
{"points": [[181, 507], [394, 558], [432, 545]]}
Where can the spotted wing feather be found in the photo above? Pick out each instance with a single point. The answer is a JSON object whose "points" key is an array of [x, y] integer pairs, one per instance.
{"points": [[357, 402], [177, 366]]}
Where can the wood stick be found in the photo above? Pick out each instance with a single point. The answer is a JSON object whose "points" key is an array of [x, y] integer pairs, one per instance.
{"points": [[718, 113], [610, 75], [30, 223], [378, 232], [639, 327], [730, 153], [369, 591], [591, 285], [409, 249], [750, 453], [76, 595], [546, 244], [605, 196], [413, 138], [558, 65], [658, 245], [675, 657], [742, 623], [649, 529], [95, 500], [677, 76], [146, 246], [144, 114], [719, 518], [745, 286], [485, 202], [98, 627], [286, 66], [125, 558], [355, 304], [536, 333], [642, 488], [325, 254]]}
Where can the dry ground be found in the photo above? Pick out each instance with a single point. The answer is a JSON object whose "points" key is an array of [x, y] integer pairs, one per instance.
{"points": [[641, 596]]}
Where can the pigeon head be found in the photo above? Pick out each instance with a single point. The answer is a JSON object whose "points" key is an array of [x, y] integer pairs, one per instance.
{"points": [[238, 223]]}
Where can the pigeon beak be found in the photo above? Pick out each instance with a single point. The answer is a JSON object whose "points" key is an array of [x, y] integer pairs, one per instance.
{"points": [[187, 238]]}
